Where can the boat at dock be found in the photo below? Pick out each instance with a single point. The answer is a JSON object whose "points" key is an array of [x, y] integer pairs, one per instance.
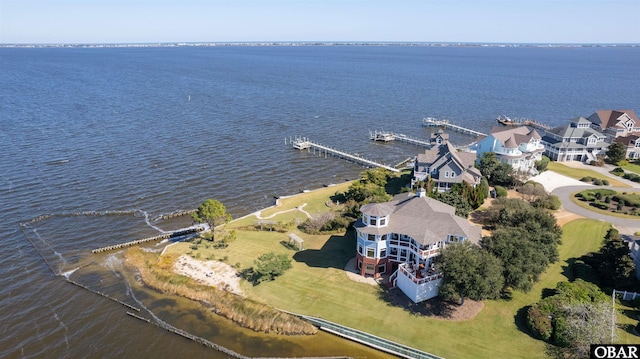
{"points": [[507, 121]]}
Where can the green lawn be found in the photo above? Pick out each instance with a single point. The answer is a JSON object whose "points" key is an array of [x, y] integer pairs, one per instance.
{"points": [[579, 173], [633, 167], [317, 285]]}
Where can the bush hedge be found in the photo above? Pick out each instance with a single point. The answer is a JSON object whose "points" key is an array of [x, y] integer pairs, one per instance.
{"points": [[501, 191]]}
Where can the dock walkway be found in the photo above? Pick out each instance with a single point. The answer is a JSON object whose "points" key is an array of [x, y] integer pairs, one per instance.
{"points": [[391, 136], [303, 143], [373, 341], [432, 122]]}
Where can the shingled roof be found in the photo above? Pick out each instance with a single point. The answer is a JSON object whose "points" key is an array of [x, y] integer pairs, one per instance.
{"points": [[513, 137], [440, 155], [424, 219], [610, 118]]}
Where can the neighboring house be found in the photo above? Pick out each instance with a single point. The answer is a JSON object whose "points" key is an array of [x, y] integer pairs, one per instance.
{"points": [[445, 165], [615, 123], [633, 145], [402, 237], [518, 146], [575, 141], [634, 248]]}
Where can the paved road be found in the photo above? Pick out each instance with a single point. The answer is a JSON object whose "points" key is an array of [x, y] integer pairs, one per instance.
{"points": [[623, 225]]}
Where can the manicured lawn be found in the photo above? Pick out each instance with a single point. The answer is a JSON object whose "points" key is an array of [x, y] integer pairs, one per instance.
{"points": [[586, 205], [317, 285], [579, 173], [633, 167]]}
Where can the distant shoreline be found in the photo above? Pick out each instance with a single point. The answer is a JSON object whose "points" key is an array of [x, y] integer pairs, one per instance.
{"points": [[313, 43]]}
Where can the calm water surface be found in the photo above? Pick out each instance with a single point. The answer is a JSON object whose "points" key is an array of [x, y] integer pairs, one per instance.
{"points": [[161, 129]]}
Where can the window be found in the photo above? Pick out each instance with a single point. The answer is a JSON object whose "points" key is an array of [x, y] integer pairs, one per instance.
{"points": [[394, 251], [371, 237], [373, 221], [360, 249], [383, 253], [370, 252], [383, 221], [446, 174], [403, 252]]}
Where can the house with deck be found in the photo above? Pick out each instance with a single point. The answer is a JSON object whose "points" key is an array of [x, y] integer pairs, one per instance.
{"points": [[445, 165], [575, 141], [402, 237], [615, 123], [518, 146]]}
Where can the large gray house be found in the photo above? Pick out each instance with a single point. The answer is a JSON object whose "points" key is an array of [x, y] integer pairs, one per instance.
{"points": [[575, 141], [446, 166]]}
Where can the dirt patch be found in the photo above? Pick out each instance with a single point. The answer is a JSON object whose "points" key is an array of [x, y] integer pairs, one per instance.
{"points": [[212, 273], [435, 307], [563, 216]]}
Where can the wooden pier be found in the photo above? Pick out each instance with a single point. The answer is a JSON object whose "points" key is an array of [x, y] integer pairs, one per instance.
{"points": [[178, 233], [432, 122], [303, 143], [390, 136]]}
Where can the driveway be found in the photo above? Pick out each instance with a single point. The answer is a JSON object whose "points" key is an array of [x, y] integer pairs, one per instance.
{"points": [[623, 225], [563, 187]]}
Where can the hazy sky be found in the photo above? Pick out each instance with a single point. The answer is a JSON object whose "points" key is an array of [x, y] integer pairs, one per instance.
{"points": [[126, 21]]}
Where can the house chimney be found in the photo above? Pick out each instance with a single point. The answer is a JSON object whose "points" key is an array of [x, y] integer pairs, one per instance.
{"points": [[421, 192]]}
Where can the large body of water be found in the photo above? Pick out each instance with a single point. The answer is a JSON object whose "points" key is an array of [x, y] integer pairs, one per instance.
{"points": [[161, 129]]}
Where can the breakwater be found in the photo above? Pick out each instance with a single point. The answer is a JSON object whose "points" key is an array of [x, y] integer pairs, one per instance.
{"points": [[175, 234], [102, 294], [212, 345]]}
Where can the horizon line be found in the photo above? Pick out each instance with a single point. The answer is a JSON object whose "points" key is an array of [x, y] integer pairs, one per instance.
{"points": [[317, 43]]}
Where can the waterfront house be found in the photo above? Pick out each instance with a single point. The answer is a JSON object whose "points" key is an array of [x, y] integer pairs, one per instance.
{"points": [[518, 146], [402, 237], [615, 123], [632, 143], [575, 141], [445, 165]]}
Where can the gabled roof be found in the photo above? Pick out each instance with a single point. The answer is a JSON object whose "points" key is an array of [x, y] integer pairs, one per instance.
{"points": [[610, 118], [424, 219], [513, 137], [444, 154]]}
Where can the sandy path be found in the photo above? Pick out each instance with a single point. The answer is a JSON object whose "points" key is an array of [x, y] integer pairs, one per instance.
{"points": [[213, 273]]}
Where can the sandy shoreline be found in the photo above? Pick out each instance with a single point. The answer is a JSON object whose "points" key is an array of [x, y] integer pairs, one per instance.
{"points": [[212, 273]]}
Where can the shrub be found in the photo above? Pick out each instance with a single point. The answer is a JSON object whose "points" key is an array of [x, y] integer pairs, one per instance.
{"points": [[586, 179], [605, 182], [539, 322], [631, 176], [501, 191], [600, 205], [618, 171], [551, 202], [269, 266]]}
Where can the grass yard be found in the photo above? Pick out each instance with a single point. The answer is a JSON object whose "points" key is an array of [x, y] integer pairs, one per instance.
{"points": [[317, 285], [579, 173], [633, 167]]}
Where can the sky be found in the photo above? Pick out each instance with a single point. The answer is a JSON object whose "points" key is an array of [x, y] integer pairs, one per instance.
{"points": [[150, 21]]}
